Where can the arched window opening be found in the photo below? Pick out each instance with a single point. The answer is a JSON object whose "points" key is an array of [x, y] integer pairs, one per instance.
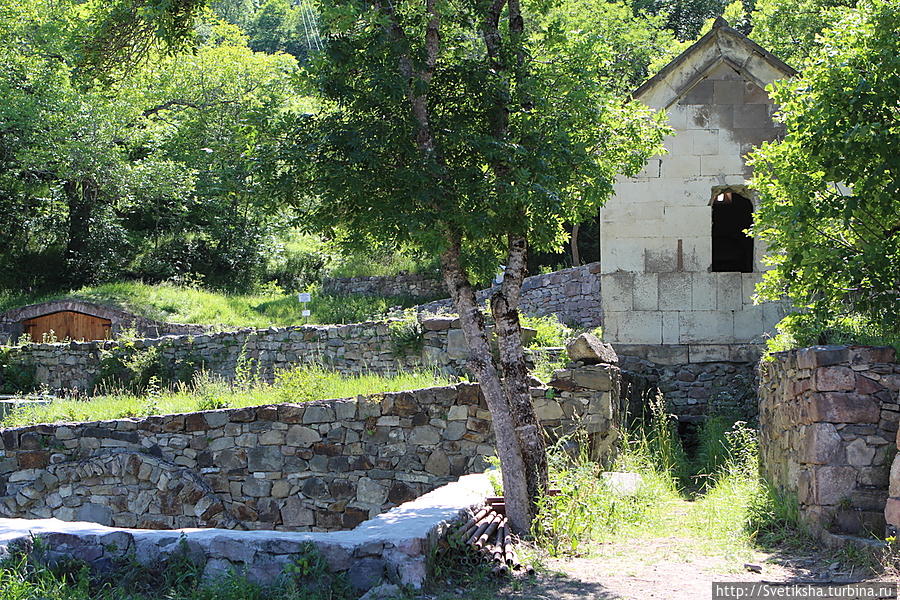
{"points": [[732, 249]]}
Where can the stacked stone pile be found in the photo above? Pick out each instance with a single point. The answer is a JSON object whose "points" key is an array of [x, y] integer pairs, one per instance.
{"points": [[828, 424]]}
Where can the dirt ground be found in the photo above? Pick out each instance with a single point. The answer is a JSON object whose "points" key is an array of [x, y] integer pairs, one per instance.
{"points": [[658, 570]]}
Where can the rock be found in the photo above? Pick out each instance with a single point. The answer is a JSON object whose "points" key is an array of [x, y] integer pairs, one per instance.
{"points": [[593, 378], [437, 323], [753, 568], [94, 513], [365, 573], [590, 350], [822, 444], [622, 484], [860, 454], [295, 514], [265, 458], [438, 464], [385, 591], [298, 435], [370, 491]]}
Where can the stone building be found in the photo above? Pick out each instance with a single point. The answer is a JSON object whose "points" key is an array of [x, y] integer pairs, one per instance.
{"points": [[678, 272]]}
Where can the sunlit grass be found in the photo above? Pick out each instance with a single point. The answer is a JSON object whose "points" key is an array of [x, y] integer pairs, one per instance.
{"points": [[302, 384], [183, 304]]}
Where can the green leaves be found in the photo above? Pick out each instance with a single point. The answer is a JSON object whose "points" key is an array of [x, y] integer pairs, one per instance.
{"points": [[830, 209]]}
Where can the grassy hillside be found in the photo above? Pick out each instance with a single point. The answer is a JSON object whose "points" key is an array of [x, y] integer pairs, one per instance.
{"points": [[180, 304]]}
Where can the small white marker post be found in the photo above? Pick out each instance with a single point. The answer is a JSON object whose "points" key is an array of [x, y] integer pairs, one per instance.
{"points": [[304, 298], [498, 278]]}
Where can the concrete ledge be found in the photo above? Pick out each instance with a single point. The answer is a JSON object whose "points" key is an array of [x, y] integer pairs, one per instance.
{"points": [[394, 545]]}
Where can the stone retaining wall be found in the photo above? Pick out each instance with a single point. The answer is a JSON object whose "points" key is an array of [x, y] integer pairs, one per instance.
{"points": [[410, 285], [348, 349], [317, 466], [572, 294], [392, 547], [828, 421]]}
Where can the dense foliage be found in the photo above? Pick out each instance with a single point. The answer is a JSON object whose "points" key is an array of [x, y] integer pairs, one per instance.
{"points": [[173, 170], [830, 191]]}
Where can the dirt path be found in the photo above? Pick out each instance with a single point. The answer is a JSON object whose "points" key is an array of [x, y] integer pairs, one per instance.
{"points": [[667, 567]]}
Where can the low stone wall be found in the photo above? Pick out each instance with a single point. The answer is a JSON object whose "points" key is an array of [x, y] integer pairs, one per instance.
{"points": [[572, 294], [348, 349], [410, 285], [392, 547], [695, 390], [828, 420], [317, 466]]}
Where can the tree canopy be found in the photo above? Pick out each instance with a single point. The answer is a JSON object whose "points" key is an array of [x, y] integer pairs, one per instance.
{"points": [[830, 191]]}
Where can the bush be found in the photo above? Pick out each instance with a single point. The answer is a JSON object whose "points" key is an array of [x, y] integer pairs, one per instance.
{"points": [[16, 376]]}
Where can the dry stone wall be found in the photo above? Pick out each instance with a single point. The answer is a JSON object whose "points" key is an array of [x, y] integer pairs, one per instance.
{"points": [[348, 349], [410, 285], [318, 466], [828, 424], [694, 390], [572, 294]]}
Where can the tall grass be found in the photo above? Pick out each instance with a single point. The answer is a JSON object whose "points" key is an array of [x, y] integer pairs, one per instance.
{"points": [[206, 391], [714, 499]]}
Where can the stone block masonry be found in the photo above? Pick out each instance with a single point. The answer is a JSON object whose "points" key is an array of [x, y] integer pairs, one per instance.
{"points": [[318, 466], [828, 425], [573, 295]]}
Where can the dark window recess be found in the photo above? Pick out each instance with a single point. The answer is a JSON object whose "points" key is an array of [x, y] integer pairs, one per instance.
{"points": [[732, 249]]}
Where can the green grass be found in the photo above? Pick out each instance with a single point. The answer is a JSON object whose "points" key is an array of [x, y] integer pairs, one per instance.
{"points": [[205, 392], [713, 502], [28, 577], [181, 304]]}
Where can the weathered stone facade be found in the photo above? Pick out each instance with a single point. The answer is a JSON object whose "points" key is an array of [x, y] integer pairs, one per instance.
{"points": [[408, 285], [695, 390], [828, 423], [318, 466], [659, 288], [573, 295], [11, 321]]}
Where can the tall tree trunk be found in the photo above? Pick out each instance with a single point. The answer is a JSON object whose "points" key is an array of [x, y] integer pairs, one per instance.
{"points": [[514, 372], [519, 506], [573, 242], [81, 198]]}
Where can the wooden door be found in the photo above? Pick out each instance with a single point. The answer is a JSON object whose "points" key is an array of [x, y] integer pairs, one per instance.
{"points": [[68, 325]]}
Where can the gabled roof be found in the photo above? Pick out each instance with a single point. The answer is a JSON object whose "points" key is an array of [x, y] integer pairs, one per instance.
{"points": [[723, 44]]}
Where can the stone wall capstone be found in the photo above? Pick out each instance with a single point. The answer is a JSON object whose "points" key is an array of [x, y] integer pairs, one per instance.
{"points": [[573, 295], [317, 466], [828, 422]]}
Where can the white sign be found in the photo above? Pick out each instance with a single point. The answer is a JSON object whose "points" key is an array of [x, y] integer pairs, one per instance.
{"points": [[498, 278], [305, 313], [304, 297]]}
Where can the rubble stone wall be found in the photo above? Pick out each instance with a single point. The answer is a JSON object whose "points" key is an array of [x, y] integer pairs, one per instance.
{"points": [[695, 390], [573, 295], [348, 349], [410, 285], [828, 424], [317, 466]]}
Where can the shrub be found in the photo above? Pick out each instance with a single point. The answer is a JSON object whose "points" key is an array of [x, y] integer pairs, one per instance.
{"points": [[550, 332], [16, 376]]}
